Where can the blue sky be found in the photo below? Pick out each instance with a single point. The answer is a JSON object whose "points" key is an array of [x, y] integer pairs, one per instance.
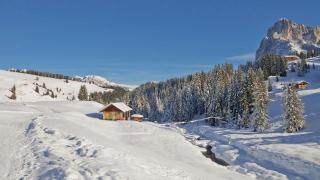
{"points": [[137, 41]]}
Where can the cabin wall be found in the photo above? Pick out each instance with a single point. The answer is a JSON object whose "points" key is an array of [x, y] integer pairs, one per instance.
{"points": [[113, 115]]}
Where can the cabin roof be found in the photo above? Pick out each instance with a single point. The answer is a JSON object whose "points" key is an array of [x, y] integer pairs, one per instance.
{"points": [[121, 106], [302, 82], [292, 56]]}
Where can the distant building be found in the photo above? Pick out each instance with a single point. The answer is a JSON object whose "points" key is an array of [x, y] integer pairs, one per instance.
{"points": [[116, 111], [301, 84], [137, 117], [290, 58]]}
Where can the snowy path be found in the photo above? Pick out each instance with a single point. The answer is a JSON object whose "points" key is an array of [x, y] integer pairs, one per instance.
{"points": [[58, 140]]}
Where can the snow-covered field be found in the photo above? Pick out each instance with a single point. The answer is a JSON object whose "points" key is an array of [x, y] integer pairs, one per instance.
{"points": [[45, 138], [274, 154], [66, 140]]}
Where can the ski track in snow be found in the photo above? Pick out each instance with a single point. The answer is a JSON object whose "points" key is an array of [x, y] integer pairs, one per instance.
{"points": [[56, 142], [56, 154]]}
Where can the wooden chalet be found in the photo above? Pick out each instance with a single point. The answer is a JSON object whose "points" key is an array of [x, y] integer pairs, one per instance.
{"points": [[290, 58], [116, 111], [301, 84]]}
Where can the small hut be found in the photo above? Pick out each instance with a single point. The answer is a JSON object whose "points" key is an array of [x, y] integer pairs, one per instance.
{"points": [[301, 84], [137, 117], [290, 58], [116, 111]]}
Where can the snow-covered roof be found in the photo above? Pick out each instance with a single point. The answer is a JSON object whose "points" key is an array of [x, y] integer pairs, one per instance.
{"points": [[292, 56], [121, 106], [137, 116]]}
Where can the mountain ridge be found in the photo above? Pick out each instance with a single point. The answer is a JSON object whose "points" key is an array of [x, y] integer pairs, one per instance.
{"points": [[286, 37]]}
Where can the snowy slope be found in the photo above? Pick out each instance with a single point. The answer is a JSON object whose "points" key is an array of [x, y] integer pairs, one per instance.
{"points": [[101, 81], [26, 84], [274, 154], [66, 140]]}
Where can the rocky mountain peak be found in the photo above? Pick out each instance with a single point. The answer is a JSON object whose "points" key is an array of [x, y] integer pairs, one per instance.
{"points": [[288, 37]]}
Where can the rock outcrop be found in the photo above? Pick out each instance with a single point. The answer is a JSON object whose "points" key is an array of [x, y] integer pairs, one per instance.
{"points": [[287, 37]]}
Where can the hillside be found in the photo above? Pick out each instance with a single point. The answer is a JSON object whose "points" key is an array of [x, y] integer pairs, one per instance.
{"points": [[103, 82], [288, 37], [53, 138], [272, 154], [26, 85]]}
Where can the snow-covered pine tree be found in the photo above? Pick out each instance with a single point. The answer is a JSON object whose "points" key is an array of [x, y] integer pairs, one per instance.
{"points": [[270, 85], [47, 93], [13, 91], [293, 110], [83, 93], [260, 115], [248, 99], [37, 89], [234, 99], [188, 106], [52, 95]]}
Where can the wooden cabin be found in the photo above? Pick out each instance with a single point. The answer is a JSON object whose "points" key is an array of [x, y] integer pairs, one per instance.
{"points": [[137, 117], [116, 111], [301, 85]]}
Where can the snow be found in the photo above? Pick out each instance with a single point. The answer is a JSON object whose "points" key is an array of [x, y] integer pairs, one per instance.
{"points": [[137, 116], [66, 140], [101, 81], [45, 138], [273, 154], [26, 84]]}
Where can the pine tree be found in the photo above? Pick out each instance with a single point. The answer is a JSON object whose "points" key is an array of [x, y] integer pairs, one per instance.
{"points": [[248, 107], [270, 85], [83, 93], [37, 89], [52, 95], [293, 110], [301, 70], [13, 91], [260, 115], [47, 93], [304, 66]]}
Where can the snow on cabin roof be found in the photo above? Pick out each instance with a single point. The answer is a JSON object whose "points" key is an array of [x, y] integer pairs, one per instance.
{"points": [[137, 116], [121, 106], [292, 56]]}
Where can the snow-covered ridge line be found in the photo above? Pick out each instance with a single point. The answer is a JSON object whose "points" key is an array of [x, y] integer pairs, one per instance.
{"points": [[95, 79], [101, 81], [30, 88]]}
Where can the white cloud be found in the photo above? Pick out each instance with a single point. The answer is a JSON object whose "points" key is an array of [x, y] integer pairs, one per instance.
{"points": [[242, 57]]}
